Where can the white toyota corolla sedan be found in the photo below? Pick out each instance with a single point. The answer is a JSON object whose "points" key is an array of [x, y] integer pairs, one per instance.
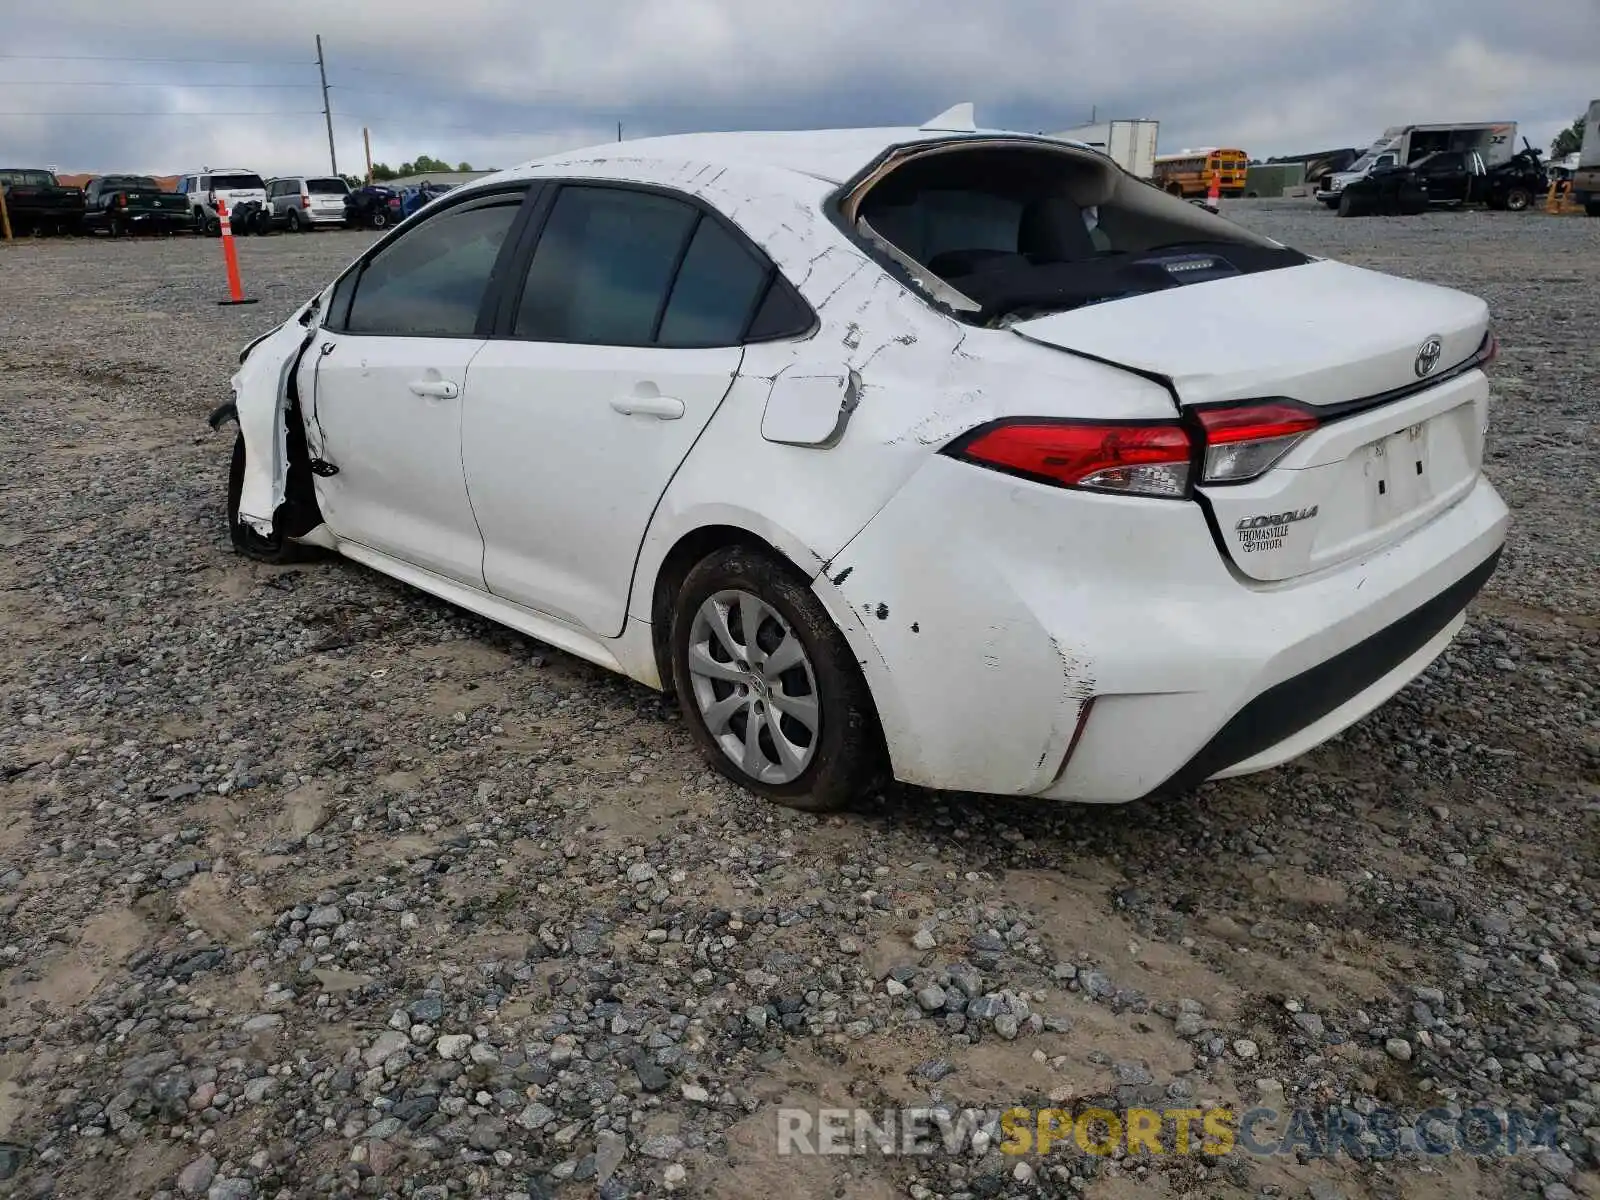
{"points": [[963, 456]]}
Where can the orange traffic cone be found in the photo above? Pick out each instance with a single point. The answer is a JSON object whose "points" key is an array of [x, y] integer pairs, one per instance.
{"points": [[230, 258], [1214, 193]]}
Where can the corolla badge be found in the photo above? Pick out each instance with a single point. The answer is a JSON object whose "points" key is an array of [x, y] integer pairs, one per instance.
{"points": [[1428, 355]]}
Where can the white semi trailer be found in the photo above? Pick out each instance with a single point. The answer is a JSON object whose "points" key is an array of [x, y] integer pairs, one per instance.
{"points": [[1129, 144]]}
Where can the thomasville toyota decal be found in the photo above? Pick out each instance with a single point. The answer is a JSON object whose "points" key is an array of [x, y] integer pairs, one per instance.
{"points": [[1267, 532]]}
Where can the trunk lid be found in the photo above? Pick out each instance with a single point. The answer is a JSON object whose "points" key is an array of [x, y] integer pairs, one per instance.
{"points": [[1326, 335]]}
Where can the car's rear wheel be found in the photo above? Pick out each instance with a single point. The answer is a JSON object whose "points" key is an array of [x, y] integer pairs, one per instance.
{"points": [[379, 218], [770, 689], [246, 541], [1518, 199]]}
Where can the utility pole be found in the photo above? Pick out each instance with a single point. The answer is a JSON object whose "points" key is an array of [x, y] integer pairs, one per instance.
{"points": [[619, 131], [5, 217], [366, 140], [327, 109]]}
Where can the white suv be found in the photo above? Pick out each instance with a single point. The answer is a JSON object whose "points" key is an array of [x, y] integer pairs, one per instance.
{"points": [[233, 185], [304, 201]]}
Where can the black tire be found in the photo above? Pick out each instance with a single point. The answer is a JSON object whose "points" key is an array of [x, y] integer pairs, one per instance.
{"points": [[1519, 199], [1347, 206], [296, 224], [276, 549], [212, 226], [848, 756], [379, 218], [116, 228]]}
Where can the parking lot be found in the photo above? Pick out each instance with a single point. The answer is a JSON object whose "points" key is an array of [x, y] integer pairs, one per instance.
{"points": [[312, 885]]}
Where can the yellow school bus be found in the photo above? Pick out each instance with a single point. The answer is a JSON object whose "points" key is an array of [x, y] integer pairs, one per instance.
{"points": [[1189, 173]]}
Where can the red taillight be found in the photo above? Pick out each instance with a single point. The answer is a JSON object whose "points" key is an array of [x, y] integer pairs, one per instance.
{"points": [[1244, 440], [122, 199], [305, 200], [1128, 458]]}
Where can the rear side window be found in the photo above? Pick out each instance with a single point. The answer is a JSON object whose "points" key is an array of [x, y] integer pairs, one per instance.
{"points": [[620, 267], [782, 314], [603, 266], [715, 292], [431, 281]]}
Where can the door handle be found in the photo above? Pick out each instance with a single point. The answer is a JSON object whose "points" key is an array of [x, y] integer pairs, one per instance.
{"points": [[664, 408], [438, 389]]}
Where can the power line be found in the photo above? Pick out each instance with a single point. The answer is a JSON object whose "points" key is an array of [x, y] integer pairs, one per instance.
{"points": [[275, 113], [140, 83], [219, 62]]}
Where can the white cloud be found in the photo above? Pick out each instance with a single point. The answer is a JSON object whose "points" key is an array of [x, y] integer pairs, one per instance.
{"points": [[499, 81]]}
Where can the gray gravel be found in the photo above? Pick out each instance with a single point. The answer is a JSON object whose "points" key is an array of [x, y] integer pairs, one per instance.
{"points": [[311, 885]]}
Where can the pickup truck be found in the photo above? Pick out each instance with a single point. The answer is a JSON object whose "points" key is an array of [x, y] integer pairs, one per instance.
{"points": [[124, 204], [1449, 177], [37, 203]]}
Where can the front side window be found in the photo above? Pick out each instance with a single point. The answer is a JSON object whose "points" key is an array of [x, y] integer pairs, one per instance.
{"points": [[431, 281]]}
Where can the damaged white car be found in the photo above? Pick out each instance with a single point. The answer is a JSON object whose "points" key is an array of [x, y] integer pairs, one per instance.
{"points": [[960, 456]]}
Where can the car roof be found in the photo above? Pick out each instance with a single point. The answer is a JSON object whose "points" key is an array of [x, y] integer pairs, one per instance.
{"points": [[831, 155]]}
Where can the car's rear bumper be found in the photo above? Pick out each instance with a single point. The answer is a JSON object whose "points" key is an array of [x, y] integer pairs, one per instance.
{"points": [[159, 219], [1024, 640], [1291, 717]]}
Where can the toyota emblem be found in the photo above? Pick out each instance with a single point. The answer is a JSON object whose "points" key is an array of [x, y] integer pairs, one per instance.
{"points": [[1428, 355]]}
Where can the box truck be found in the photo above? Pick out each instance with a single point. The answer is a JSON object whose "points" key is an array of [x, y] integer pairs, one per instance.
{"points": [[1129, 144], [1401, 145]]}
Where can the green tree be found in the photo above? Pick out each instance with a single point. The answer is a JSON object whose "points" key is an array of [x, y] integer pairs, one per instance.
{"points": [[463, 166], [383, 172], [1568, 141]]}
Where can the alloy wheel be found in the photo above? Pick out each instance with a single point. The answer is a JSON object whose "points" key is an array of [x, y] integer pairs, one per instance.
{"points": [[754, 686]]}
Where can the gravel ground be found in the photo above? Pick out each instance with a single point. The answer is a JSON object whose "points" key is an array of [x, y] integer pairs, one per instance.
{"points": [[311, 885]]}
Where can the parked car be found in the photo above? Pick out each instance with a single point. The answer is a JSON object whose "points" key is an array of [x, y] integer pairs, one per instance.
{"points": [[231, 185], [254, 217], [36, 201], [1448, 178], [128, 204], [856, 442], [303, 202], [419, 196], [373, 207]]}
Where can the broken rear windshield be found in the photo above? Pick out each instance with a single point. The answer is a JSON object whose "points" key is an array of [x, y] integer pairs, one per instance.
{"points": [[1016, 231]]}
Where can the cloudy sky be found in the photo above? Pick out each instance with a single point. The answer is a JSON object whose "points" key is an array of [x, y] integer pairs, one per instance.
{"points": [[501, 81]]}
